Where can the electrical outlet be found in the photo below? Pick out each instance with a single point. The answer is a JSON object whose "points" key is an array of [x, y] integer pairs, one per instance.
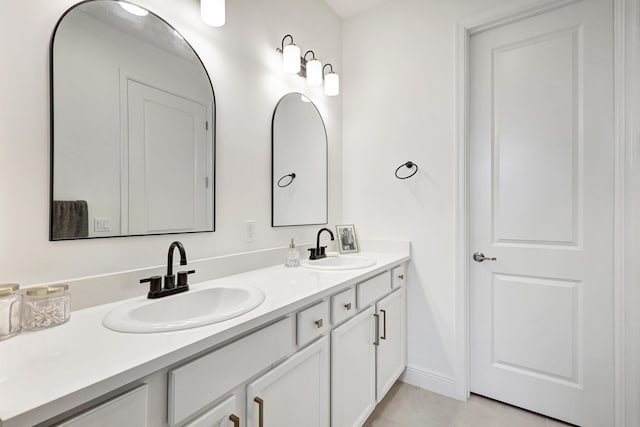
{"points": [[249, 230], [101, 225]]}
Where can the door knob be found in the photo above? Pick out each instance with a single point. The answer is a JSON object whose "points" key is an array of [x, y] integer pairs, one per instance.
{"points": [[479, 257]]}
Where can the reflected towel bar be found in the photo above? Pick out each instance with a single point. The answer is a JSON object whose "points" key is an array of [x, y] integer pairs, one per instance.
{"points": [[291, 175]]}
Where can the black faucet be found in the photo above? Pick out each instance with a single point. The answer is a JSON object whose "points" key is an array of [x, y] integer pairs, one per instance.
{"points": [[318, 251], [170, 279], [156, 290]]}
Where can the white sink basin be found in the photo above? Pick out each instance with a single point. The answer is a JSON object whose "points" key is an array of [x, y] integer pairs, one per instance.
{"points": [[349, 262], [190, 309]]}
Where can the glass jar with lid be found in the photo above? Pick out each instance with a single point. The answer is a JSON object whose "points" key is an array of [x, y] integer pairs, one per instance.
{"points": [[46, 306], [10, 309]]}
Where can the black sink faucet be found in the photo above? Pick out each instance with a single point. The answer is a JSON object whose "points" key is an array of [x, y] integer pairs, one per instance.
{"points": [[170, 279], [156, 290], [318, 251]]}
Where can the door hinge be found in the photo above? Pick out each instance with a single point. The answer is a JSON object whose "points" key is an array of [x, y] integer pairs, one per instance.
{"points": [[206, 182], [206, 125]]}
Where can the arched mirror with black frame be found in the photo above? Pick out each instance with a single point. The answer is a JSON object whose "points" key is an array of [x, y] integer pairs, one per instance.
{"points": [[299, 163], [132, 126]]}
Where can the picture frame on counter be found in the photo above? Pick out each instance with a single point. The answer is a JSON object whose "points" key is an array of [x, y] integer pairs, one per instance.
{"points": [[347, 239]]}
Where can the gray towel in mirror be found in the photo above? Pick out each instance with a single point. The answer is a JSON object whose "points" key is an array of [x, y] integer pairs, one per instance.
{"points": [[70, 219]]}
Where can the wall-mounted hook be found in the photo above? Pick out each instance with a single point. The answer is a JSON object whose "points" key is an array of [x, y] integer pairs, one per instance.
{"points": [[408, 165]]}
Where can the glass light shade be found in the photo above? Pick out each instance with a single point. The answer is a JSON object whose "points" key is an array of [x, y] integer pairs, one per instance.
{"points": [[291, 59], [331, 84], [133, 9], [212, 12], [314, 72]]}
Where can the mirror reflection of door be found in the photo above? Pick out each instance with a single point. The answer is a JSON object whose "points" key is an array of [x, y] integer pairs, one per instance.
{"points": [[111, 69], [169, 178]]}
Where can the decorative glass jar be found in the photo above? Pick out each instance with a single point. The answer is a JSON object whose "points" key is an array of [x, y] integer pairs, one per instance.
{"points": [[10, 309], [46, 306]]}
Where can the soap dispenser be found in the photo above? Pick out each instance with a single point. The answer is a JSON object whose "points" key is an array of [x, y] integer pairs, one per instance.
{"points": [[293, 256]]}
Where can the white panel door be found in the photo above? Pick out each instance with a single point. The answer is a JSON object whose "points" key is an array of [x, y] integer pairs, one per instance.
{"points": [[390, 357], [353, 371], [167, 133], [541, 202], [295, 393]]}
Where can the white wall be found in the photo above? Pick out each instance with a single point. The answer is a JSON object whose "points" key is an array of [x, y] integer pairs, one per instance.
{"points": [[248, 82], [399, 105]]}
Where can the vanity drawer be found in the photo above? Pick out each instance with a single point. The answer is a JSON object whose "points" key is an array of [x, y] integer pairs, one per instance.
{"points": [[202, 381], [398, 276], [343, 306], [373, 289], [313, 322], [129, 409]]}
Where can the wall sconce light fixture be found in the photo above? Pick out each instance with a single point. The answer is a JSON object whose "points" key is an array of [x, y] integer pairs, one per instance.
{"points": [[311, 68], [290, 56], [331, 81], [212, 12], [314, 69]]}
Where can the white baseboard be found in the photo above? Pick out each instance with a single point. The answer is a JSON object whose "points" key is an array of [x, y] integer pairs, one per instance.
{"points": [[436, 383]]}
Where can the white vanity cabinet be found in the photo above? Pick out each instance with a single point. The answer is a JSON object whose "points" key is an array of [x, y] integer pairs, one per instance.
{"points": [[326, 362], [198, 384], [391, 348], [293, 394], [353, 371], [368, 353]]}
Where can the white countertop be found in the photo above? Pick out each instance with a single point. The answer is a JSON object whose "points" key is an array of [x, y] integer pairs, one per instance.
{"points": [[80, 360]]}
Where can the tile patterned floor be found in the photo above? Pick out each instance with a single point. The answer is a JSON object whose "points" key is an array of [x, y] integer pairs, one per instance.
{"points": [[409, 406]]}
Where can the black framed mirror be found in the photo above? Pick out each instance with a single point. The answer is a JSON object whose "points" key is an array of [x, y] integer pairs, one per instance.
{"points": [[299, 163], [132, 126]]}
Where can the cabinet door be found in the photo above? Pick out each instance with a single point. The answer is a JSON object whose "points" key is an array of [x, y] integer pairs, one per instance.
{"points": [[391, 351], [224, 414], [294, 393], [353, 371]]}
